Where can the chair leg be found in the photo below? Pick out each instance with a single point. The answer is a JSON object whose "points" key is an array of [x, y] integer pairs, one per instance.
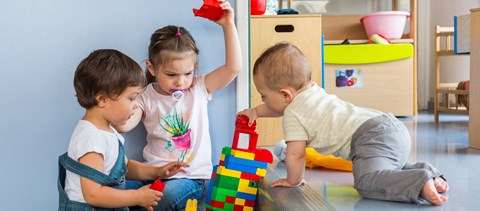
{"points": [[435, 106]]}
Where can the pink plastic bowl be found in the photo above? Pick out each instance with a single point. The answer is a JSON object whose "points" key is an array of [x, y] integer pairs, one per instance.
{"points": [[389, 24]]}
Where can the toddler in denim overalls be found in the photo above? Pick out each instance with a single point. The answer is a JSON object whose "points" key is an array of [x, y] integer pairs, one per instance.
{"points": [[107, 83], [116, 179]]}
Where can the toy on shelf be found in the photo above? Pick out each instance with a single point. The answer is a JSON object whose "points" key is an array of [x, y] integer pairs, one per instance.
{"points": [[378, 39], [315, 159], [463, 98], [235, 180], [191, 205], [158, 185], [210, 10]]}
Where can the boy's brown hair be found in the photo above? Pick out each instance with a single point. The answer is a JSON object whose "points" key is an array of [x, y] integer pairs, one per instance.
{"points": [[283, 65], [105, 71]]}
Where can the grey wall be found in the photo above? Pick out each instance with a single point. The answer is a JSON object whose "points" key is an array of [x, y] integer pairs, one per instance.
{"points": [[41, 43]]}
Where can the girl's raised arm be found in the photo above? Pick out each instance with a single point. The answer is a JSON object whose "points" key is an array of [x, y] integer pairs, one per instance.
{"points": [[225, 74]]}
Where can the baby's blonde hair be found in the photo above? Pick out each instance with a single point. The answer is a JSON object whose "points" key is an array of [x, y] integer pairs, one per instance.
{"points": [[283, 65]]}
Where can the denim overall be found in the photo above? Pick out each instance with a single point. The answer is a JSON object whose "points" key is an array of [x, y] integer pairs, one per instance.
{"points": [[116, 179]]}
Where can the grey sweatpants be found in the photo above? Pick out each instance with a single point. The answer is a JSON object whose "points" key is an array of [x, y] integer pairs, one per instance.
{"points": [[379, 151]]}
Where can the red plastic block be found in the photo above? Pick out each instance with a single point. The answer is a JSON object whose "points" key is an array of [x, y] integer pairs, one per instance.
{"points": [[216, 204], [158, 185], [242, 122], [230, 200], [263, 155], [241, 126], [248, 176], [238, 208], [249, 203], [210, 10]]}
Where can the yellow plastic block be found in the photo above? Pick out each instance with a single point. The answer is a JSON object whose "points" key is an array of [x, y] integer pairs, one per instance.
{"points": [[222, 157], [246, 208], [242, 154], [261, 172], [243, 186], [240, 201], [228, 172], [315, 159], [191, 205]]}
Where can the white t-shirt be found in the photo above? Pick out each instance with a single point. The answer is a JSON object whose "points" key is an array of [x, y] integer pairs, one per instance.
{"points": [[88, 138], [160, 149], [324, 120]]}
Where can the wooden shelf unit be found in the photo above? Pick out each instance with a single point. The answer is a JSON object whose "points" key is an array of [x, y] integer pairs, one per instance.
{"points": [[334, 29], [337, 28], [446, 89]]}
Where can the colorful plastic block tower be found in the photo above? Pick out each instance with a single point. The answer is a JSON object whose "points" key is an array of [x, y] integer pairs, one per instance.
{"points": [[210, 10], [235, 180]]}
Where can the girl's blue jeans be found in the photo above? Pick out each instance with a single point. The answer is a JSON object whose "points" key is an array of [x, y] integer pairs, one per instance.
{"points": [[177, 191]]}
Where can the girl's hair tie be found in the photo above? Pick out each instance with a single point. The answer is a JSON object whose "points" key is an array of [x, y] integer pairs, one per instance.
{"points": [[178, 34]]}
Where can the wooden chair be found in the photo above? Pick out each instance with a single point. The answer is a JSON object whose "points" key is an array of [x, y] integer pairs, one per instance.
{"points": [[445, 89]]}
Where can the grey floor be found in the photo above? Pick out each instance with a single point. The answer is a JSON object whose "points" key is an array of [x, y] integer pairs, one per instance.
{"points": [[445, 145]]}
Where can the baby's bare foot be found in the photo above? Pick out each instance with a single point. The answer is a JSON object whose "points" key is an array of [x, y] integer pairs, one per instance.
{"points": [[429, 193], [440, 184]]}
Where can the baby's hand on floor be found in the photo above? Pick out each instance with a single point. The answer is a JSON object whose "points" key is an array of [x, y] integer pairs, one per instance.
{"points": [[284, 183]]}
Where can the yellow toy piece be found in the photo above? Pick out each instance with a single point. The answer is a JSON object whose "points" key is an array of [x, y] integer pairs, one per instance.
{"points": [[379, 39], [315, 159], [191, 205]]}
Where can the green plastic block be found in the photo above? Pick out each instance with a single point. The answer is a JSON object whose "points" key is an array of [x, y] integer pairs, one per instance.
{"points": [[226, 182], [226, 150]]}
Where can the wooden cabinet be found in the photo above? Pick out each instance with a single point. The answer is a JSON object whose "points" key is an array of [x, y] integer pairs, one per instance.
{"points": [[379, 77], [389, 86], [303, 31], [307, 33]]}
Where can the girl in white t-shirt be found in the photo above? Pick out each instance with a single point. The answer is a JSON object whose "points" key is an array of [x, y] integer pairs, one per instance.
{"points": [[174, 104], [92, 173]]}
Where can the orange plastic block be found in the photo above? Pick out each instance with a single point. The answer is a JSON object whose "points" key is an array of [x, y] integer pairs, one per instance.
{"points": [[315, 159]]}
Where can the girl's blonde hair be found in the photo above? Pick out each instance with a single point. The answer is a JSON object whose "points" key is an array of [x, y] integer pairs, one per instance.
{"points": [[170, 43], [283, 65]]}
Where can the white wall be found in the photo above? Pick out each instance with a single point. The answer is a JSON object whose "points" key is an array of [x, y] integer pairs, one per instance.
{"points": [[432, 13]]}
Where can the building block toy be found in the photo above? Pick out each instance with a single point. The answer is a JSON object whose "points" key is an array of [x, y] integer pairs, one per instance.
{"points": [[191, 205], [158, 185], [378, 39], [234, 182], [315, 159], [210, 10]]}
